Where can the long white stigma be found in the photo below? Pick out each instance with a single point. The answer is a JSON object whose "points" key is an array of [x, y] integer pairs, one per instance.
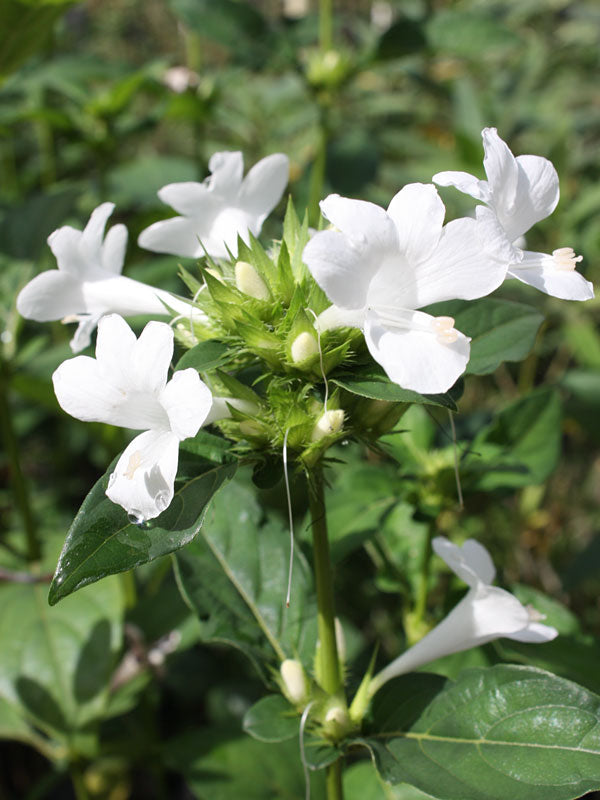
{"points": [[565, 259]]}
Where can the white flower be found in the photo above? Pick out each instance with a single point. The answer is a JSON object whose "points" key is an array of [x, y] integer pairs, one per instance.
{"points": [[379, 267], [126, 385], [88, 283], [518, 193], [485, 613], [215, 212]]}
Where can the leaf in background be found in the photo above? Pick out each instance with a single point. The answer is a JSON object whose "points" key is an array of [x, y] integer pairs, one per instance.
{"points": [[101, 540], [237, 26], [18, 238], [501, 330], [470, 33], [522, 446], [24, 28], [272, 719], [494, 734], [234, 576], [135, 183], [403, 38], [221, 765], [57, 662]]}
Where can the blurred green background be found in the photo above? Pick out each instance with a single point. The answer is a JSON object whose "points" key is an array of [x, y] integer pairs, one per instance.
{"points": [[111, 100]]}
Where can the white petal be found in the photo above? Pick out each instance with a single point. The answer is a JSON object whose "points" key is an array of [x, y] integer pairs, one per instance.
{"points": [[187, 401], [83, 392], [502, 172], [263, 186], [536, 197], [83, 335], [365, 224], [151, 358], [414, 358], [495, 238], [464, 182], [188, 198], [178, 236], [113, 249], [227, 169], [471, 562], [115, 344], [418, 214], [535, 633], [64, 243], [537, 270], [484, 614], [51, 295], [143, 479], [459, 268], [93, 233]]}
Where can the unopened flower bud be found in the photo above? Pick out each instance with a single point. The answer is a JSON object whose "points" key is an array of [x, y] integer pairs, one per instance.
{"points": [[331, 422], [337, 721], [304, 346], [295, 685], [249, 281]]}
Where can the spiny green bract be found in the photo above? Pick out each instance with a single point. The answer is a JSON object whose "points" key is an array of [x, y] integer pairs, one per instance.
{"points": [[263, 306]]}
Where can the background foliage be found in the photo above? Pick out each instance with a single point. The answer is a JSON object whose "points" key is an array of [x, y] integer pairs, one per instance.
{"points": [[137, 701]]}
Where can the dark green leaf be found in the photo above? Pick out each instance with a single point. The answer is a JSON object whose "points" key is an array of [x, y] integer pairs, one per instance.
{"points": [[497, 733], [234, 576], [377, 386], [470, 33], [500, 330], [272, 719], [102, 541], [403, 38], [206, 355]]}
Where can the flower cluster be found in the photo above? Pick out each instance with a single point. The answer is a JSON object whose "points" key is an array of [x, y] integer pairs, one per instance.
{"points": [[288, 310]]}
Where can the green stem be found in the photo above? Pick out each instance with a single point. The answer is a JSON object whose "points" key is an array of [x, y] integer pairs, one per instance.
{"points": [[329, 666], [333, 781], [81, 793], [423, 582], [328, 654], [18, 480], [325, 25], [317, 176]]}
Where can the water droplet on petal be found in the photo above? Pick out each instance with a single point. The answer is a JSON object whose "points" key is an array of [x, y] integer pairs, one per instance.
{"points": [[112, 479], [135, 517], [161, 501]]}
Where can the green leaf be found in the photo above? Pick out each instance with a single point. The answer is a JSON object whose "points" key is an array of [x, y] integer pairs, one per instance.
{"points": [[500, 330], [57, 662], [24, 28], [376, 385], [234, 576], [523, 445], [403, 38], [219, 765], [470, 34], [204, 356], [502, 733], [272, 719], [102, 541]]}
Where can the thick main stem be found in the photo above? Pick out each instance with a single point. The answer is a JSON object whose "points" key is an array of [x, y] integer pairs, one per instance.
{"points": [[325, 25], [329, 664], [328, 654]]}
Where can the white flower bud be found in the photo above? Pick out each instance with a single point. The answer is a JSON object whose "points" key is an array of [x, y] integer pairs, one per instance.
{"points": [[304, 346], [340, 640], [337, 721], [249, 281], [330, 422], [295, 684]]}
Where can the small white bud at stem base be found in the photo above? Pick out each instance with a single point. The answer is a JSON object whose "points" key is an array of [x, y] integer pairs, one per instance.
{"points": [[331, 422], [294, 680], [249, 281]]}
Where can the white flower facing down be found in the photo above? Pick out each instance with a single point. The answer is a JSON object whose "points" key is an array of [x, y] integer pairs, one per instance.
{"points": [[518, 193], [485, 613], [380, 266], [213, 213], [126, 385], [88, 283]]}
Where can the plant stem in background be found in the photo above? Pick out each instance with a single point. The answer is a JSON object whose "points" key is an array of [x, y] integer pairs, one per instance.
{"points": [[81, 792], [325, 25], [414, 627], [317, 176], [333, 782], [17, 478]]}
